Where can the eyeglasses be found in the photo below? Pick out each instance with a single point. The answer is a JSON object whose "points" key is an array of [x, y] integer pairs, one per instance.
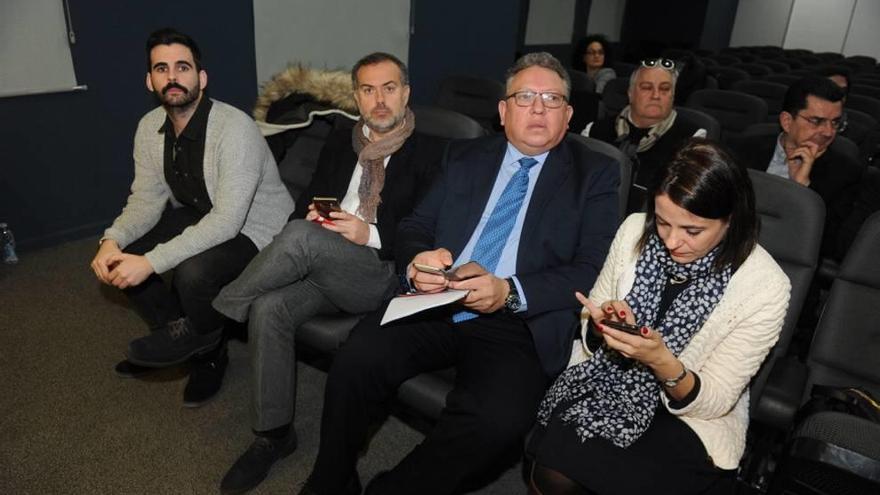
{"points": [[527, 98], [595, 52], [837, 125], [660, 63]]}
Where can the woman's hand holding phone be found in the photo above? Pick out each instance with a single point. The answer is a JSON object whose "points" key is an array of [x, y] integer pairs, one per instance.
{"points": [[614, 319]]}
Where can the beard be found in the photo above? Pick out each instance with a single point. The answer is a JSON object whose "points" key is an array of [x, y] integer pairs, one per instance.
{"points": [[383, 125], [178, 101]]}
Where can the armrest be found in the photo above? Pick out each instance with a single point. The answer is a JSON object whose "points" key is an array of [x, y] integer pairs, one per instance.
{"points": [[782, 394]]}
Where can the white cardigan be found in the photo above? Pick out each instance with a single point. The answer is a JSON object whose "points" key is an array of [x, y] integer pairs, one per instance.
{"points": [[726, 352]]}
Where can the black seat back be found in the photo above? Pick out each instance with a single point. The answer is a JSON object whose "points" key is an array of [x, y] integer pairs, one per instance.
{"points": [[772, 93], [475, 97], [734, 111], [616, 96], [696, 118], [845, 347], [447, 124], [788, 211]]}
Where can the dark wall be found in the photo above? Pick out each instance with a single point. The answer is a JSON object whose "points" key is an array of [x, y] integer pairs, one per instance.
{"points": [[65, 159], [650, 26], [458, 37], [718, 27]]}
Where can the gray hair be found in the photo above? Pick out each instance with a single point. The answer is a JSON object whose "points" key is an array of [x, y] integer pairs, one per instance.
{"points": [[640, 68], [543, 60]]}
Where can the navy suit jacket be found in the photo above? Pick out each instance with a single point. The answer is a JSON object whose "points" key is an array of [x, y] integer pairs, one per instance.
{"points": [[571, 219]]}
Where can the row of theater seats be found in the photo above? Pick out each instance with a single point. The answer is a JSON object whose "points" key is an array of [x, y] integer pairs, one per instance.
{"points": [[735, 97], [787, 212]]}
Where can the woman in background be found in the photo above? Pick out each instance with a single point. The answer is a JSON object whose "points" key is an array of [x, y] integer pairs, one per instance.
{"points": [[593, 56], [664, 409]]}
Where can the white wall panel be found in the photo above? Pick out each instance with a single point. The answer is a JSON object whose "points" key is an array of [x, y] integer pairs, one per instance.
{"points": [[606, 17], [550, 22], [819, 25], [34, 50], [760, 22], [327, 33], [864, 31]]}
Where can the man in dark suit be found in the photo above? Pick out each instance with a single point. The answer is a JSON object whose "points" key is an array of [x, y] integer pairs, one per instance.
{"points": [[811, 117], [329, 262], [537, 211]]}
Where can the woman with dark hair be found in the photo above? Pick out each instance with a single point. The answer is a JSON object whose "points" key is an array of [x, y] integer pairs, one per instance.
{"points": [[655, 399], [592, 55]]}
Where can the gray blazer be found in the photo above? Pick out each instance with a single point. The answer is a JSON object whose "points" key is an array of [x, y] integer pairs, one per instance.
{"points": [[242, 181]]}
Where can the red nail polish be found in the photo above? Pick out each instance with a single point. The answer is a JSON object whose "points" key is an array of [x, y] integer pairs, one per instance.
{"points": [[645, 331], [622, 314], [600, 328], [609, 310]]}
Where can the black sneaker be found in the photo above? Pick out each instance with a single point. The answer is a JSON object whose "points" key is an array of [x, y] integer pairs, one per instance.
{"points": [[172, 344], [127, 369], [253, 466], [205, 377]]}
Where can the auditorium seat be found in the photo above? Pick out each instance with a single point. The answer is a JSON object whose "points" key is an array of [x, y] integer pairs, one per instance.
{"points": [[772, 93], [475, 97], [735, 111]]}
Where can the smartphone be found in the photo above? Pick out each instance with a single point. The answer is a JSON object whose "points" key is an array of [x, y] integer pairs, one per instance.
{"points": [[430, 269], [468, 270], [623, 327], [325, 205]]}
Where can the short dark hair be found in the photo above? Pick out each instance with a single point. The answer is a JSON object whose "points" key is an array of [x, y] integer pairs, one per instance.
{"points": [[539, 59], [704, 179], [837, 70], [580, 48], [376, 58], [821, 87], [170, 36]]}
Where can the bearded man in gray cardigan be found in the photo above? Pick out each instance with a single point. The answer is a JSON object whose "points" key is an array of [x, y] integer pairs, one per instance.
{"points": [[206, 198]]}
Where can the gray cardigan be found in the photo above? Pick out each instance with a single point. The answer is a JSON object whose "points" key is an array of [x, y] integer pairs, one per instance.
{"points": [[242, 181]]}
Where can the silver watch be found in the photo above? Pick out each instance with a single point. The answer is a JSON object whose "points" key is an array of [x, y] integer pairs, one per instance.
{"points": [[672, 382]]}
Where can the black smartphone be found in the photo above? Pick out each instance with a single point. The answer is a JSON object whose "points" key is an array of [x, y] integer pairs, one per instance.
{"points": [[326, 205], [623, 327]]}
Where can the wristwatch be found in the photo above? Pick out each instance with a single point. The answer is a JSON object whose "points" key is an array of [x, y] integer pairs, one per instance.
{"points": [[672, 382], [512, 302]]}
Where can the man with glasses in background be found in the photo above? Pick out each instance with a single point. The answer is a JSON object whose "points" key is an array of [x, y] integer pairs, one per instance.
{"points": [[811, 116], [647, 129], [537, 212]]}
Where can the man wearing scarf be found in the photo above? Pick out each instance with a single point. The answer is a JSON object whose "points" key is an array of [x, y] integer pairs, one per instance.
{"points": [[320, 265], [646, 130]]}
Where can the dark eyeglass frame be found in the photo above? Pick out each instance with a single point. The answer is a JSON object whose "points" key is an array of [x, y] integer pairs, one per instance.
{"points": [[531, 96], [659, 63], [838, 125]]}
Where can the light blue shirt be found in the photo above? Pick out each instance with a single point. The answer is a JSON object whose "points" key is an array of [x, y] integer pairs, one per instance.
{"points": [[779, 162], [507, 264]]}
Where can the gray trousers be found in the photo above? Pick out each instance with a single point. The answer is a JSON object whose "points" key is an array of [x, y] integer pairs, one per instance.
{"points": [[305, 271]]}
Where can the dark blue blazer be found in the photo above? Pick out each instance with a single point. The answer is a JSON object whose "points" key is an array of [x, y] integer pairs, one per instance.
{"points": [[571, 219]]}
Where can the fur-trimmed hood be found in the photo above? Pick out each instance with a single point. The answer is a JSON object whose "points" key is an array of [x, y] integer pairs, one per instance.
{"points": [[333, 88]]}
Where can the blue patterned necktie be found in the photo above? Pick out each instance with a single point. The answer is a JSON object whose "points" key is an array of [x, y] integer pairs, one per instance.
{"points": [[487, 251]]}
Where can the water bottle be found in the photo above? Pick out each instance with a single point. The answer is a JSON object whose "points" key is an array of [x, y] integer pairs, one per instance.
{"points": [[7, 242]]}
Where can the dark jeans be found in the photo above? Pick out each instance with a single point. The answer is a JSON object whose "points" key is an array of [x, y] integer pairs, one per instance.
{"points": [[195, 281], [499, 383]]}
